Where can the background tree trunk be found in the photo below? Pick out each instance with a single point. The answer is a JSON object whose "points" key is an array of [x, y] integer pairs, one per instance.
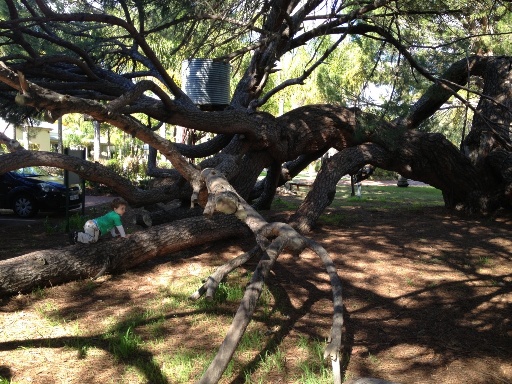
{"points": [[97, 139]]}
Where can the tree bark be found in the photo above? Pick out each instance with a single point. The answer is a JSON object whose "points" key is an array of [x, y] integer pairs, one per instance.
{"points": [[212, 282], [421, 156], [243, 315], [323, 190], [97, 136], [271, 182], [272, 238], [55, 266]]}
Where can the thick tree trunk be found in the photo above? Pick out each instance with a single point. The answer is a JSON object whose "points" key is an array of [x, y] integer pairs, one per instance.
{"points": [[271, 183], [423, 156], [307, 130], [494, 112], [55, 266], [322, 193], [489, 143]]}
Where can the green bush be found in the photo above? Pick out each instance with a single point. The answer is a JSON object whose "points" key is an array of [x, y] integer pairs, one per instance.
{"points": [[113, 165], [134, 168], [382, 174]]}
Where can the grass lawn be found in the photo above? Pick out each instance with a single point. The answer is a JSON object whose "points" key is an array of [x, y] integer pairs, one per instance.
{"points": [[424, 300]]}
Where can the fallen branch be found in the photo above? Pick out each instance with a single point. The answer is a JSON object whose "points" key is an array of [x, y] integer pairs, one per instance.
{"points": [[55, 266]]}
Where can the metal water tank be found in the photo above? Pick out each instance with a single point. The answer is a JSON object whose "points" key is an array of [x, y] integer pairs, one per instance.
{"points": [[206, 81]]}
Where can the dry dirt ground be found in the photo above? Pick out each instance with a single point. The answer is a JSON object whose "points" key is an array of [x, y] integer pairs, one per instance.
{"points": [[427, 299]]}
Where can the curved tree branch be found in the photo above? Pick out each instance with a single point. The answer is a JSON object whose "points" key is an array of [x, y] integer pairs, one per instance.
{"points": [[112, 20], [88, 171]]}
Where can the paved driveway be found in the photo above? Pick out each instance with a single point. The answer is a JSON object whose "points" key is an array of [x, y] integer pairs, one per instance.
{"points": [[8, 218]]}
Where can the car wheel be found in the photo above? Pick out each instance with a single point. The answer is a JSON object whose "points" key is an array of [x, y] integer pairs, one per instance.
{"points": [[25, 206]]}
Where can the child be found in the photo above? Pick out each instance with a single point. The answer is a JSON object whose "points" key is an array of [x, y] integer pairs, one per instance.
{"points": [[101, 225]]}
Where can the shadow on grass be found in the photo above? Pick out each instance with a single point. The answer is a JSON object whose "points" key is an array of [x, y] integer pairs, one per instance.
{"points": [[466, 318]]}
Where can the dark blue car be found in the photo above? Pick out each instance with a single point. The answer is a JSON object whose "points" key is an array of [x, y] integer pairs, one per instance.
{"points": [[28, 190]]}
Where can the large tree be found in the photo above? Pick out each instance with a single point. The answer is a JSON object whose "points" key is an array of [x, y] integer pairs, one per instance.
{"points": [[116, 62]]}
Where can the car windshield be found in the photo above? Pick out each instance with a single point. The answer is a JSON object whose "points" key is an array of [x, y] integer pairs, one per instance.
{"points": [[31, 171]]}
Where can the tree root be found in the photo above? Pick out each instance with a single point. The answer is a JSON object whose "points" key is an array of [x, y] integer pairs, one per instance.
{"points": [[213, 281], [244, 313], [272, 239], [333, 349], [253, 292]]}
